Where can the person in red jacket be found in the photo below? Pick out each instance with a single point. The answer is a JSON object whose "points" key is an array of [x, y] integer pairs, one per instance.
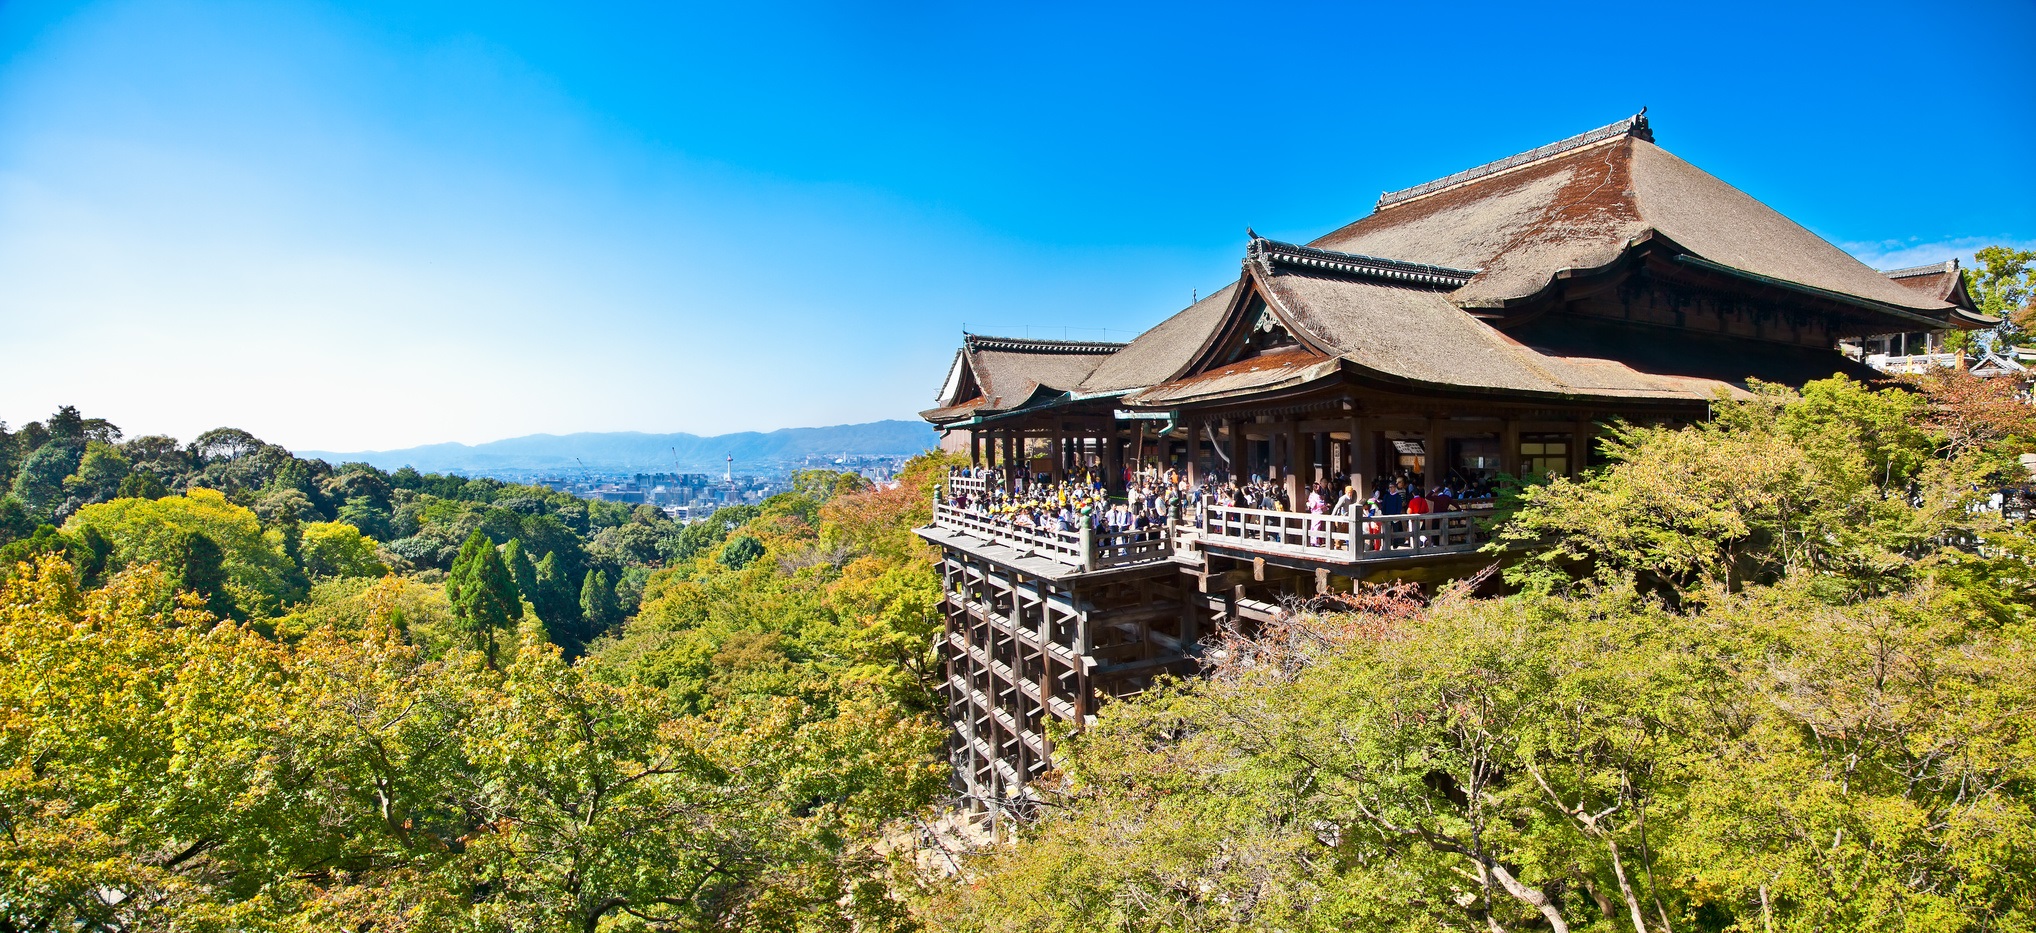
{"points": [[1418, 504]]}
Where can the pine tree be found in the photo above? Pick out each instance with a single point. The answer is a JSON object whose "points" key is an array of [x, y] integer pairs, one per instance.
{"points": [[482, 592]]}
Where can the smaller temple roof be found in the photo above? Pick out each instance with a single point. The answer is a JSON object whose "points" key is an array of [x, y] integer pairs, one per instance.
{"points": [[1942, 281], [992, 375]]}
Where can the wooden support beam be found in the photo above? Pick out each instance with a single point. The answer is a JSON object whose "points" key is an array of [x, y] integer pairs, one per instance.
{"points": [[1580, 447], [1295, 494]]}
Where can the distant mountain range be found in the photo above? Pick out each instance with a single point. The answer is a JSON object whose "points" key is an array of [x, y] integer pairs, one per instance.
{"points": [[635, 452]]}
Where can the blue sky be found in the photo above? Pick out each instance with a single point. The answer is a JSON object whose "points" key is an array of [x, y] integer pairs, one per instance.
{"points": [[372, 225]]}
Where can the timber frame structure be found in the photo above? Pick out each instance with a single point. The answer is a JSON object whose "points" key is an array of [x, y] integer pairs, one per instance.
{"points": [[1489, 322]]}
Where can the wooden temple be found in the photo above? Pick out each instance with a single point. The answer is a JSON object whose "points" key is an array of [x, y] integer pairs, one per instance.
{"points": [[1485, 323]]}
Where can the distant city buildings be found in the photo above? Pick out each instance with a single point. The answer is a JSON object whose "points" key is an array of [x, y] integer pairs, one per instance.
{"points": [[689, 496]]}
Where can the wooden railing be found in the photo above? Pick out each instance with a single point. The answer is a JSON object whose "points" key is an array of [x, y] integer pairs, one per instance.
{"points": [[1343, 538], [1064, 546], [1087, 548], [975, 487]]}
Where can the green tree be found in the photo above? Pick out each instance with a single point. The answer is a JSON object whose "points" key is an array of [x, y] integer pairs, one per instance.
{"points": [[598, 608], [521, 570], [556, 599], [2001, 286], [141, 484], [483, 595], [40, 483], [99, 474], [259, 575], [198, 565], [1554, 763], [740, 551], [16, 522], [370, 516], [1838, 479], [337, 549]]}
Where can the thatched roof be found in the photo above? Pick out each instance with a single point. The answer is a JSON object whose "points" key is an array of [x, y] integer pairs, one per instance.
{"points": [[1410, 334], [991, 375], [1156, 355], [1402, 295], [1522, 222]]}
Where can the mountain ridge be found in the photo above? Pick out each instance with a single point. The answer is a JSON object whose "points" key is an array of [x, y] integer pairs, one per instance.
{"points": [[642, 451]]}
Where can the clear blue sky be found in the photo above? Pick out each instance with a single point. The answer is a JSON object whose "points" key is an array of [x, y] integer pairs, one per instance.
{"points": [[373, 225]]}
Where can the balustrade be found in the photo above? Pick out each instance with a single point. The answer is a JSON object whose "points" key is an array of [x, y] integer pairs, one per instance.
{"points": [[1343, 537], [1088, 548]]}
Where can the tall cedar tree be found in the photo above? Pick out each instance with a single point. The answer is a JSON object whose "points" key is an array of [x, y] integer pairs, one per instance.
{"points": [[598, 606], [201, 568], [558, 605], [521, 570], [483, 594]]}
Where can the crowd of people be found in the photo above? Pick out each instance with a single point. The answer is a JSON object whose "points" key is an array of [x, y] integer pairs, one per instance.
{"points": [[1041, 502], [1155, 498]]}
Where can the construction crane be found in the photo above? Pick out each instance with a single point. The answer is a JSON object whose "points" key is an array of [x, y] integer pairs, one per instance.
{"points": [[584, 471]]}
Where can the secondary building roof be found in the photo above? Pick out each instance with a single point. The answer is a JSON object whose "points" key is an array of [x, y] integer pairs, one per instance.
{"points": [[993, 375]]}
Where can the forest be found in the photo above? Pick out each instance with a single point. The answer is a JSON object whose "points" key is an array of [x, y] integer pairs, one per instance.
{"points": [[1773, 672], [241, 690]]}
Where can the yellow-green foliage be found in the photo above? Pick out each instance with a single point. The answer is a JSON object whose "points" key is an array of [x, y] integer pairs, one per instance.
{"points": [[164, 769], [145, 530], [1771, 762], [337, 549]]}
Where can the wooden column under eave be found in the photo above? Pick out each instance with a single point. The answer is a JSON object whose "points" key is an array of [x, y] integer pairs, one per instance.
{"points": [[1435, 450], [1057, 453], [1193, 472], [1509, 446], [1365, 452], [1580, 446], [1238, 465], [1295, 455], [1113, 460], [1359, 446]]}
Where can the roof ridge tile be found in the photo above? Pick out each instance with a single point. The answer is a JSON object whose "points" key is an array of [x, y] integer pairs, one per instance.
{"points": [[1634, 126]]}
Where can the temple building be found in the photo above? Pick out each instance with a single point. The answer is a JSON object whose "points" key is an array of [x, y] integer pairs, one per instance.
{"points": [[1919, 351], [1489, 322]]}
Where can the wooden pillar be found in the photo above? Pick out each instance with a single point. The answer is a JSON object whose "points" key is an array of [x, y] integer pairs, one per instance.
{"points": [[1436, 450], [1580, 446], [975, 447], [1358, 466], [1113, 461], [1056, 452], [1296, 496], [1509, 446], [1193, 471], [1239, 464], [1365, 453]]}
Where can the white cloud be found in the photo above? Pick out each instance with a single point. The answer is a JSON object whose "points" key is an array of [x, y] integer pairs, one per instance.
{"points": [[1914, 251]]}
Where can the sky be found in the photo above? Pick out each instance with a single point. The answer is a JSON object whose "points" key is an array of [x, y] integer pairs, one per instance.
{"points": [[374, 225]]}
